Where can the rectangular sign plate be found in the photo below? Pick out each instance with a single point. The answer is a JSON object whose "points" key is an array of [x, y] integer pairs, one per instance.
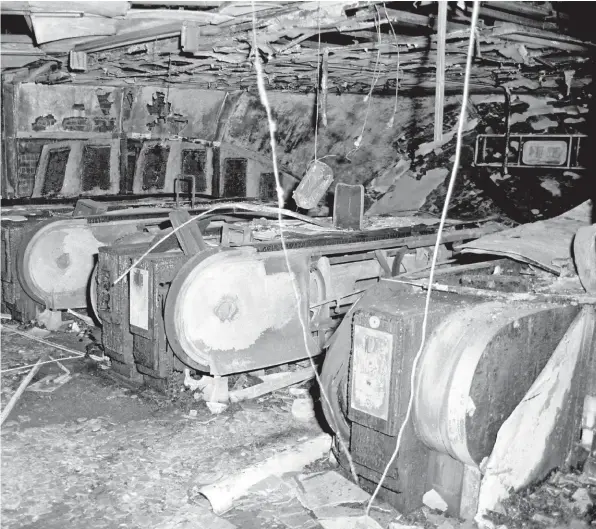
{"points": [[371, 371], [547, 152], [139, 298]]}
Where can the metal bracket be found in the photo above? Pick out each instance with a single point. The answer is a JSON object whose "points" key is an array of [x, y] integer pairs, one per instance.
{"points": [[530, 151], [193, 189]]}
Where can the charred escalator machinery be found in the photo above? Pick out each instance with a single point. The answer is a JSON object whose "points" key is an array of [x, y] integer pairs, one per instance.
{"points": [[231, 309], [56, 257], [13, 229], [49, 256], [480, 358]]}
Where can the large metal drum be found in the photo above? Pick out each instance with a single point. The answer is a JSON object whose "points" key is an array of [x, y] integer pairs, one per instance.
{"points": [[477, 366], [57, 257], [237, 310]]}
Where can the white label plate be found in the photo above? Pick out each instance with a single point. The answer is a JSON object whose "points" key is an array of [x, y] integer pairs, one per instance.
{"points": [[371, 371], [544, 152], [139, 298]]}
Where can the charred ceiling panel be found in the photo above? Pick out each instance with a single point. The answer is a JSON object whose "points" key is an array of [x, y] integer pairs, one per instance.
{"points": [[348, 117], [178, 111], [67, 108], [43, 122], [164, 121]]}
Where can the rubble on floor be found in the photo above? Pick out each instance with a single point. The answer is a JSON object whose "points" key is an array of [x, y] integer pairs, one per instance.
{"points": [[147, 467]]}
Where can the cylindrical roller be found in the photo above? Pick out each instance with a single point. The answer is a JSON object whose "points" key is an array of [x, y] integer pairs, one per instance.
{"points": [[56, 258], [237, 311], [476, 367], [56, 261]]}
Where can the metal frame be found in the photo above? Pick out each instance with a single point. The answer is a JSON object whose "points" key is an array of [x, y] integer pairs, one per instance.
{"points": [[573, 150], [73, 182], [174, 165]]}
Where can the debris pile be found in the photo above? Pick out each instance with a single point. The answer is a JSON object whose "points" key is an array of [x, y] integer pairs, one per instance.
{"points": [[361, 45]]}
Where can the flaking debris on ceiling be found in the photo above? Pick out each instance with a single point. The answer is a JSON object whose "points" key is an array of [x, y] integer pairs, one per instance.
{"points": [[532, 46]]}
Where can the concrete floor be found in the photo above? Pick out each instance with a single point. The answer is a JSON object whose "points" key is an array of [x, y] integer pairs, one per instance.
{"points": [[97, 454]]}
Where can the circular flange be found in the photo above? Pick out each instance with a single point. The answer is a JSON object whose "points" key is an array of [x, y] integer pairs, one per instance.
{"points": [[171, 309], [55, 261]]}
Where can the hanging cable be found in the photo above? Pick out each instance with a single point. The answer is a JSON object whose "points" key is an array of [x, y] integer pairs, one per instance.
{"points": [[280, 197], [392, 120], [318, 90], [460, 127], [368, 98]]}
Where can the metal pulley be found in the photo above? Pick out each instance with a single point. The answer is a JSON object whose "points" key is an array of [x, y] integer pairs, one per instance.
{"points": [[55, 263], [229, 311]]}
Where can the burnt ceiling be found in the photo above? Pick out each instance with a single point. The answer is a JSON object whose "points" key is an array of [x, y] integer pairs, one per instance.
{"points": [[534, 46]]}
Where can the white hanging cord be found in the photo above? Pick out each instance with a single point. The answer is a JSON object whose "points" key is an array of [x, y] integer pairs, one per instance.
{"points": [[392, 120], [460, 127], [318, 90], [247, 207], [305, 330]]}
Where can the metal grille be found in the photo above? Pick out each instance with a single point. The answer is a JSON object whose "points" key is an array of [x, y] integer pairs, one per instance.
{"points": [[55, 171], [96, 167], [267, 186], [193, 164], [154, 170]]}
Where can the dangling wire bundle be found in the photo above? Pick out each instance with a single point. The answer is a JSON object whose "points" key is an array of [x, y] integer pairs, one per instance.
{"points": [[368, 98], [318, 79]]}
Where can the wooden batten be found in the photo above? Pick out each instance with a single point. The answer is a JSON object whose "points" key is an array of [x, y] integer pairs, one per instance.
{"points": [[440, 90]]}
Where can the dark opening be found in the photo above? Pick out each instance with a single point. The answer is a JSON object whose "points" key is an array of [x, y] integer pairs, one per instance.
{"points": [[132, 150], [193, 164], [131, 162], [267, 186], [96, 167], [235, 177], [154, 171], [55, 171], [14, 25]]}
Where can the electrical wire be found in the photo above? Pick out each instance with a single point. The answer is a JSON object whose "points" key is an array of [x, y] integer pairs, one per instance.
{"points": [[368, 98], [280, 197], [45, 342], [318, 92], [462, 118], [391, 121], [247, 207]]}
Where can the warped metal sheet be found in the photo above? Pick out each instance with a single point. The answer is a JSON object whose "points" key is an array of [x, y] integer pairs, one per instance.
{"points": [[540, 243]]}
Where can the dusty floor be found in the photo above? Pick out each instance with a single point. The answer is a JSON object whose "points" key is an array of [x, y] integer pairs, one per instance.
{"points": [[95, 453]]}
